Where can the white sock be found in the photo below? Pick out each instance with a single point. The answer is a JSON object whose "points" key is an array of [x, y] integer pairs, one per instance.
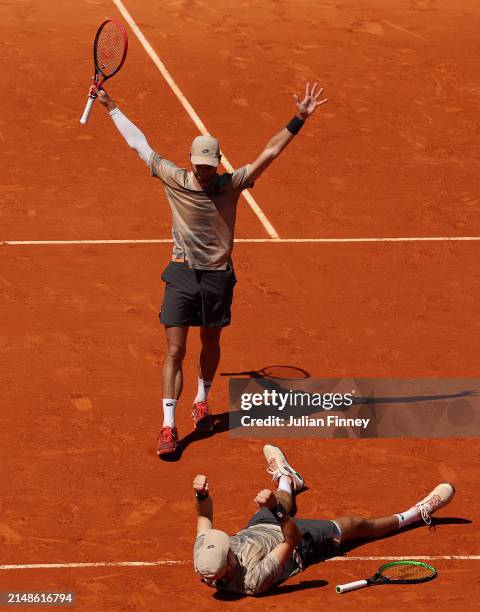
{"points": [[410, 516], [285, 484], [169, 412], [202, 391]]}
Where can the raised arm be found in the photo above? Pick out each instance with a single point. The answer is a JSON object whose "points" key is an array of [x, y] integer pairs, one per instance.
{"points": [[204, 504], [134, 137], [291, 533], [305, 108]]}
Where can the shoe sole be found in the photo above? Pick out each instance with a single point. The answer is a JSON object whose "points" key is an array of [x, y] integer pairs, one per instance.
{"points": [[297, 474], [451, 495], [167, 452]]}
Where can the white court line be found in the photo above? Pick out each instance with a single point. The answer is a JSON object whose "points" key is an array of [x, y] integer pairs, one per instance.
{"points": [[95, 564], [249, 240], [189, 108], [160, 563]]}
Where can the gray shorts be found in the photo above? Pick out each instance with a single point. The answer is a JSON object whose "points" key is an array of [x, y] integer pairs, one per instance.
{"points": [[197, 297], [320, 538]]}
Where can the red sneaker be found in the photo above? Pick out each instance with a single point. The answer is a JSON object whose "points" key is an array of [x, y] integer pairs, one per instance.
{"points": [[167, 441], [202, 417]]}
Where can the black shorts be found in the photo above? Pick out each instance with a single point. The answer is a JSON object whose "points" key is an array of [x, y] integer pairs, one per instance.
{"points": [[320, 539], [197, 297]]}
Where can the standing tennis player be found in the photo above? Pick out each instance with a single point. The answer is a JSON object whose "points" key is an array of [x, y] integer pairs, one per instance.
{"points": [[274, 546], [200, 278]]}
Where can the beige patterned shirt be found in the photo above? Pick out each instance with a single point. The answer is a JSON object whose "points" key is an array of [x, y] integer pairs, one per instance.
{"points": [[203, 220]]}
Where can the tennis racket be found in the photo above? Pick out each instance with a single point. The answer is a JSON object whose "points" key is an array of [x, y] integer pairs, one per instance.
{"points": [[397, 572], [109, 52]]}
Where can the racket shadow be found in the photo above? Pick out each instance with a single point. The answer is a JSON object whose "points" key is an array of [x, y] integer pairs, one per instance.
{"points": [[273, 372]]}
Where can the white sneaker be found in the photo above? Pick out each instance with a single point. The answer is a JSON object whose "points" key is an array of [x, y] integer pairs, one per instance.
{"points": [[441, 496], [279, 466]]}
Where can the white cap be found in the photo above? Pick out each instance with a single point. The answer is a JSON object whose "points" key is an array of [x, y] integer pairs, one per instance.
{"points": [[212, 558]]}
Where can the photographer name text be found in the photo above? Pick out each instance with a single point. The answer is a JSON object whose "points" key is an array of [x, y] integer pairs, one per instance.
{"points": [[304, 421]]}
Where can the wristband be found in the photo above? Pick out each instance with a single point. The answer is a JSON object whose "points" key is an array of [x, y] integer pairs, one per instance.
{"points": [[280, 513], [201, 496], [295, 125]]}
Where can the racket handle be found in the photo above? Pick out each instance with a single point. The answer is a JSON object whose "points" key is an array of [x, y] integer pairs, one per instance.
{"points": [[351, 586], [88, 108]]}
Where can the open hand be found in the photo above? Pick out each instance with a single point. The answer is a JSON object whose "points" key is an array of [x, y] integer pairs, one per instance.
{"points": [[311, 100], [200, 484], [266, 499]]}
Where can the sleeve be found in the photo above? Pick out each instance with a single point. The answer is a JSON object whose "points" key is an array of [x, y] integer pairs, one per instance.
{"points": [[134, 137], [162, 168], [241, 178], [196, 549], [262, 575]]}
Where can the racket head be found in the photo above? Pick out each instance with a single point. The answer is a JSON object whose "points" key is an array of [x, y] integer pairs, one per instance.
{"points": [[109, 49], [405, 572], [283, 372]]}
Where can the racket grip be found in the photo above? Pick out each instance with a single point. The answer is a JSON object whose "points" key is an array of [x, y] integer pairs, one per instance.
{"points": [[351, 586], [88, 108]]}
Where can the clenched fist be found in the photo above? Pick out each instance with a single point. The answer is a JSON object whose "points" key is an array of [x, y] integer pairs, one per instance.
{"points": [[266, 499], [200, 484]]}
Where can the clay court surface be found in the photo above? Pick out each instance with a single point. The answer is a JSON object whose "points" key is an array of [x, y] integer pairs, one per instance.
{"points": [[394, 154]]}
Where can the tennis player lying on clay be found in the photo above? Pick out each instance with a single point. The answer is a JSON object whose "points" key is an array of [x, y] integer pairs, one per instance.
{"points": [[274, 546]]}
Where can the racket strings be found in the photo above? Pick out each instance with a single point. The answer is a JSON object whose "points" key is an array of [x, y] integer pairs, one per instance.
{"points": [[407, 572], [283, 372], [110, 48]]}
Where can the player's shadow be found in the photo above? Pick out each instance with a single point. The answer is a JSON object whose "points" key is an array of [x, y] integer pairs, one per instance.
{"points": [[436, 522], [278, 589], [368, 404], [278, 378], [283, 589], [222, 421], [220, 424]]}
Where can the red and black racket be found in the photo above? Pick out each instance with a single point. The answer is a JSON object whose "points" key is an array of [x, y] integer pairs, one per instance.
{"points": [[109, 52]]}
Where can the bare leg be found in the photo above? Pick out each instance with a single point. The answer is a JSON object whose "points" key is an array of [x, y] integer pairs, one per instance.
{"points": [[210, 353], [355, 527], [172, 367]]}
